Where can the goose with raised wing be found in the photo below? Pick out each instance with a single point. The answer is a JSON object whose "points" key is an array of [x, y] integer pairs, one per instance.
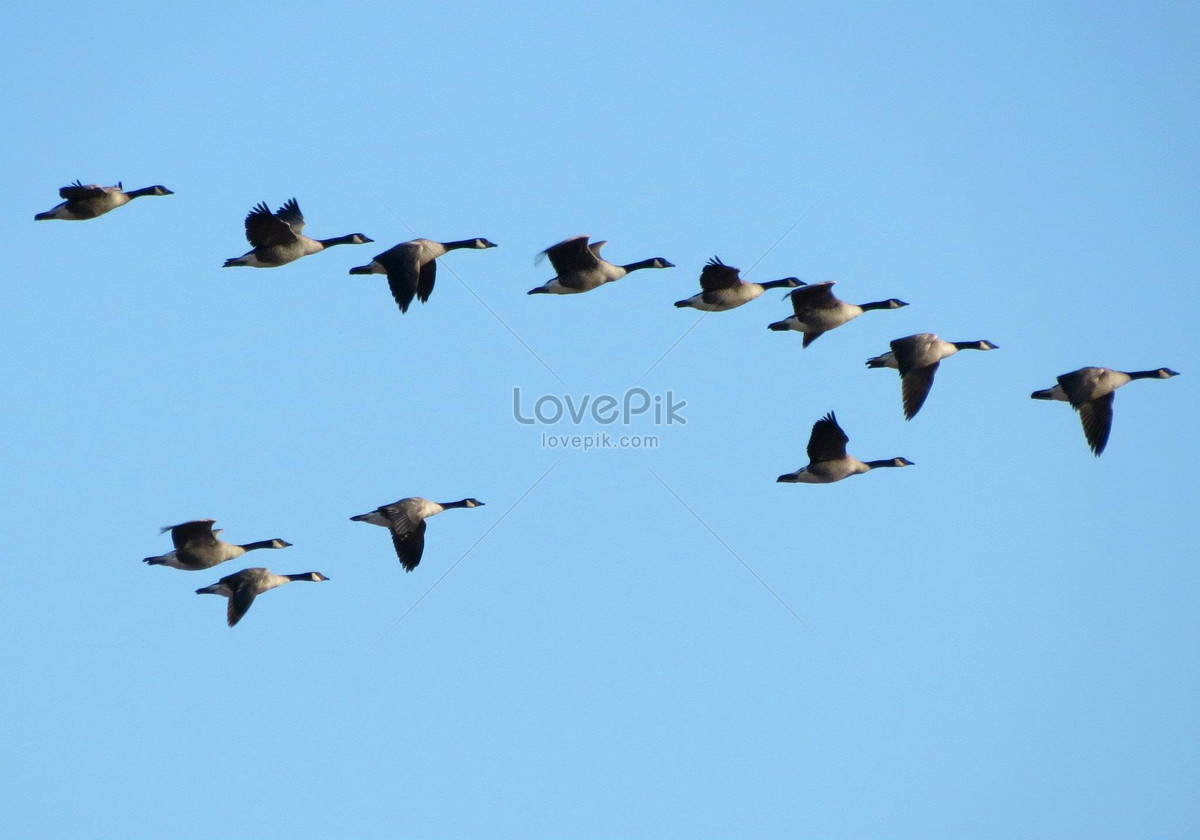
{"points": [[87, 201], [406, 520], [581, 268], [827, 458], [722, 288], [1089, 390], [197, 547], [277, 238], [241, 588], [817, 311], [917, 358], [411, 267]]}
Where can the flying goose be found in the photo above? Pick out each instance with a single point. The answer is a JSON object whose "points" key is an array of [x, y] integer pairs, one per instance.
{"points": [[411, 266], [724, 289], [277, 239], [406, 520], [241, 588], [827, 458], [581, 269], [917, 358], [197, 547], [88, 202], [818, 311], [1090, 390]]}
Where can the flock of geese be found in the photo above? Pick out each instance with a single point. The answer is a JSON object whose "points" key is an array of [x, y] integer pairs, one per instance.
{"points": [[277, 239]]}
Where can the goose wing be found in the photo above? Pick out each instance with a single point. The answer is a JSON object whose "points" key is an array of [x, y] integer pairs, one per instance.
{"points": [[410, 545], [425, 283], [264, 228], [827, 441], [914, 387], [239, 602], [1081, 385], [243, 588], [78, 191], [1096, 416], [816, 296], [716, 275], [290, 214], [404, 272], [572, 255], [911, 351], [192, 534], [403, 516]]}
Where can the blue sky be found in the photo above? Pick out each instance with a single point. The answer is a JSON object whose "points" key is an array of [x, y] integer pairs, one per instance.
{"points": [[1000, 642]]}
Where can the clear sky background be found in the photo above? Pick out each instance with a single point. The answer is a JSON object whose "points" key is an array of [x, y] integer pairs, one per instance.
{"points": [[1000, 642]]}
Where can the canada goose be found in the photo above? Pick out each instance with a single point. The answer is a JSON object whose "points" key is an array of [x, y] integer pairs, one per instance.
{"points": [[241, 588], [1090, 390], [818, 311], [406, 520], [580, 268], [411, 266], [277, 239], [827, 458], [88, 202], [917, 358], [197, 547], [724, 289]]}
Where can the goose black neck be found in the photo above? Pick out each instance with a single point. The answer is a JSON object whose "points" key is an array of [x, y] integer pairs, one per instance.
{"points": [[459, 243], [338, 240], [640, 264], [306, 576], [260, 544], [776, 284], [967, 345], [1143, 374], [461, 503], [142, 192], [889, 462], [875, 304]]}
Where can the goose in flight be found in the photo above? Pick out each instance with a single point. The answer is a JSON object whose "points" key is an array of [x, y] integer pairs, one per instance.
{"points": [[197, 547], [917, 358], [241, 588], [412, 266], [91, 200], [277, 237], [827, 458], [580, 267], [1090, 390], [722, 288], [818, 311], [406, 520]]}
